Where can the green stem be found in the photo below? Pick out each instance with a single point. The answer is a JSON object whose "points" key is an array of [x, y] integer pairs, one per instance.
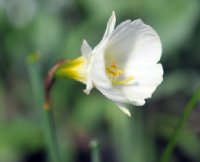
{"points": [[51, 136], [94, 151], [46, 115], [173, 140]]}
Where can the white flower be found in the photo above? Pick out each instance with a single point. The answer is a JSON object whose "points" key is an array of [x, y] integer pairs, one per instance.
{"points": [[123, 66]]}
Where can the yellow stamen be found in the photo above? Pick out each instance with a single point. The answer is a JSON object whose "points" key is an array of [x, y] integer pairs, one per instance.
{"points": [[114, 66], [125, 81], [114, 72]]}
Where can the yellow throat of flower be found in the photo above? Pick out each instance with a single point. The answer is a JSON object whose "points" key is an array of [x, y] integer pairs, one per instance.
{"points": [[73, 69], [113, 72]]}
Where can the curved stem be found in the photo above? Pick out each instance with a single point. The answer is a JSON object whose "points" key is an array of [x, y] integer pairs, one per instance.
{"points": [[173, 140], [49, 81]]}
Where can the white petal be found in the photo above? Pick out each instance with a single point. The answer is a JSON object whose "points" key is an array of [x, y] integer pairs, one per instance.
{"points": [[89, 85], [145, 75], [123, 108], [86, 50], [137, 101], [98, 70], [113, 94], [110, 25], [147, 78], [121, 28], [136, 95], [135, 42], [107, 34]]}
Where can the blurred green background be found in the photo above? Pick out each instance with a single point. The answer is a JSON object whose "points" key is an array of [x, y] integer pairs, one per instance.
{"points": [[55, 29]]}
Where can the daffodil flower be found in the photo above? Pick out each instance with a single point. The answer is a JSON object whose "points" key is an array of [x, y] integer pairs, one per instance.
{"points": [[123, 66]]}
